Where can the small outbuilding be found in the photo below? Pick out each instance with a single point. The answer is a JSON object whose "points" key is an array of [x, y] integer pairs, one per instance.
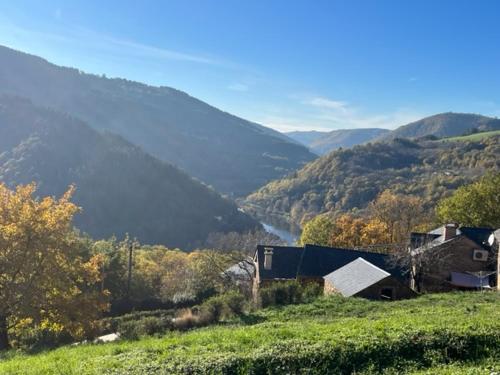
{"points": [[361, 278]]}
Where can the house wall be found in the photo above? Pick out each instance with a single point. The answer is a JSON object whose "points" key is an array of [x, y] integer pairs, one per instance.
{"points": [[399, 290], [457, 256]]}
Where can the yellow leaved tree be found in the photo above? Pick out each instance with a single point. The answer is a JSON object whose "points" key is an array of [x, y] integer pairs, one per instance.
{"points": [[44, 280]]}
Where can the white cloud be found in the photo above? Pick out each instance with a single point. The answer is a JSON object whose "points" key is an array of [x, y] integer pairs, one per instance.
{"points": [[328, 103], [288, 124], [339, 114], [324, 114], [238, 87]]}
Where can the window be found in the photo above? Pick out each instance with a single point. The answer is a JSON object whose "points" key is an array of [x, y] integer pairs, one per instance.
{"points": [[387, 293]]}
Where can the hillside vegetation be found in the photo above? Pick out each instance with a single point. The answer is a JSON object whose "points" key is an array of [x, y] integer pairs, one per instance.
{"points": [[447, 333], [346, 180], [233, 155], [474, 137], [121, 188], [323, 142], [444, 125]]}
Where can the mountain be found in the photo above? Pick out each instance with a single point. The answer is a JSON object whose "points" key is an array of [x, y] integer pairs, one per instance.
{"points": [[323, 142], [305, 137], [349, 179], [120, 188], [233, 155], [444, 125]]}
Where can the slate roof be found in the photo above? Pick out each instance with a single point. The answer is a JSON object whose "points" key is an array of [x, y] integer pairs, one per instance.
{"points": [[478, 235], [355, 276], [318, 261], [435, 237], [285, 262]]}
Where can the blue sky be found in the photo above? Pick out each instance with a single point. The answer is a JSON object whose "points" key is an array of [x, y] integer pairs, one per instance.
{"points": [[291, 65]]}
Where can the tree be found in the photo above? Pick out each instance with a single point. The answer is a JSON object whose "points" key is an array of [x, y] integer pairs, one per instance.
{"points": [[473, 205], [400, 213], [346, 231], [317, 231], [44, 279]]}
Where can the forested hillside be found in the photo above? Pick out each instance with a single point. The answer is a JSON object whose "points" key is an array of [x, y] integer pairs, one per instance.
{"points": [[349, 179], [233, 155], [444, 125], [121, 188]]}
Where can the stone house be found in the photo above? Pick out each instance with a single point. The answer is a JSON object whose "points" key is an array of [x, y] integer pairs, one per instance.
{"points": [[454, 258], [311, 263], [361, 278]]}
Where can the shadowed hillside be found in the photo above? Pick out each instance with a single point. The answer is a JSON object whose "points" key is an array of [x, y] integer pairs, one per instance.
{"points": [[233, 155], [121, 188]]}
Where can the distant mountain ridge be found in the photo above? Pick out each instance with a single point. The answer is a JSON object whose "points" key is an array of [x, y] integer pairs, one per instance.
{"points": [[443, 125], [233, 155], [306, 137], [323, 142], [121, 188]]}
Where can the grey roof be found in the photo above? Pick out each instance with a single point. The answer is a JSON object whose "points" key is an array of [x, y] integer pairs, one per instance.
{"points": [[435, 237], [355, 277], [286, 260], [318, 261]]}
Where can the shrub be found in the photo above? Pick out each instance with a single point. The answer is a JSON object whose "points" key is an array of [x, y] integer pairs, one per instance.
{"points": [[211, 311], [283, 293], [134, 325], [185, 320], [129, 330], [310, 292], [214, 307], [235, 302], [34, 339]]}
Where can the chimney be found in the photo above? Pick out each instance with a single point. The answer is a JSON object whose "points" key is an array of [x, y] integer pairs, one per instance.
{"points": [[450, 231], [268, 258]]}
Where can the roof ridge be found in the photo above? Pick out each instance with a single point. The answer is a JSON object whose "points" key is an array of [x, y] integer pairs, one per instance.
{"points": [[369, 263], [366, 251]]}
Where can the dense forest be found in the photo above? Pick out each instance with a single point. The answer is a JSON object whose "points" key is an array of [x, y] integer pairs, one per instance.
{"points": [[233, 155], [348, 180], [121, 188]]}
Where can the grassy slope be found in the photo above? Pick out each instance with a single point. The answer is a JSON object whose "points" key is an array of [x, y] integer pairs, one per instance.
{"points": [[474, 137], [342, 329]]}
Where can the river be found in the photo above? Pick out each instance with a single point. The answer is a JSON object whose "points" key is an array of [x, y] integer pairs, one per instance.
{"points": [[284, 234]]}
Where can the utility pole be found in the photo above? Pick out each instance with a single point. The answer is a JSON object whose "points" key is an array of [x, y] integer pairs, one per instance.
{"points": [[129, 277]]}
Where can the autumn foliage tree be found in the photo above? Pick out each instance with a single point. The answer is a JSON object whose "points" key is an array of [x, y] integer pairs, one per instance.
{"points": [[44, 279], [389, 221], [399, 213]]}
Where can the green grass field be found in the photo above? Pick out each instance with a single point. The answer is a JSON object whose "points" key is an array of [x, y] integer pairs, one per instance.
{"points": [[473, 137], [435, 334]]}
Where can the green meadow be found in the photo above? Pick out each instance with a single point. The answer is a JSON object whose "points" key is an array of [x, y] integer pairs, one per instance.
{"points": [[453, 333], [474, 137]]}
